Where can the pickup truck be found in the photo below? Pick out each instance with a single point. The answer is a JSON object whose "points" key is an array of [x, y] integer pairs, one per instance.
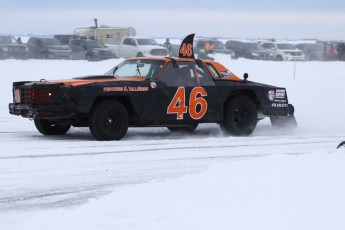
{"points": [[138, 47]]}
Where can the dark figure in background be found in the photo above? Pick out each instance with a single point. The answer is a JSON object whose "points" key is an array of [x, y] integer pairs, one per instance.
{"points": [[168, 45], [19, 40], [208, 49], [341, 51]]}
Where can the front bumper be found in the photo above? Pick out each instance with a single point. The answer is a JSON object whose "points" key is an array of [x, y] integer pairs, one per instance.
{"points": [[293, 58], [41, 111]]}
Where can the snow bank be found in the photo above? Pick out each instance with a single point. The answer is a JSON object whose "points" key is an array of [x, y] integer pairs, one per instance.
{"points": [[273, 192]]}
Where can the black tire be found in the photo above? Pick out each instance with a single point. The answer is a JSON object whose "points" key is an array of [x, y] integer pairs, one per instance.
{"points": [[240, 117], [43, 55], [48, 127], [140, 55], [279, 58], [184, 129], [109, 121], [88, 57]]}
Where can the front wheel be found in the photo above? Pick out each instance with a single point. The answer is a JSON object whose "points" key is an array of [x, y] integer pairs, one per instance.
{"points": [[240, 117], [51, 127], [109, 121]]}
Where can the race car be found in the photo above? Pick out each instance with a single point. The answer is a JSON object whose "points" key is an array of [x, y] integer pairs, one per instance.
{"points": [[177, 93]]}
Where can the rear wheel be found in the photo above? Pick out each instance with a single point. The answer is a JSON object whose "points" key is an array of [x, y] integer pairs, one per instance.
{"points": [[109, 121], [240, 117], [184, 128], [88, 57], [50, 127], [279, 58]]}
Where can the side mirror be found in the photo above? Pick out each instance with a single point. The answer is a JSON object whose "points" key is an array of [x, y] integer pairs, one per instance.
{"points": [[245, 76]]}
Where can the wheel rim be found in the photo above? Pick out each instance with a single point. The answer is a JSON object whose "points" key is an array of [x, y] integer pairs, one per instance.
{"points": [[241, 116], [111, 121]]}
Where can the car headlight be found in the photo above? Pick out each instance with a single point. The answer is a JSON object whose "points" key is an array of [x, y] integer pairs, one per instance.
{"points": [[286, 52], [5, 49], [254, 54], [51, 50]]}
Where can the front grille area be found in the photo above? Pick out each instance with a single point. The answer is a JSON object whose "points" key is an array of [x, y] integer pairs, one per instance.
{"points": [[37, 96], [17, 49]]}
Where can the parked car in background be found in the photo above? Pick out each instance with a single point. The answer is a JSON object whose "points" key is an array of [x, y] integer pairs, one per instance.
{"points": [[10, 47], [65, 38], [341, 51], [219, 46], [249, 50], [90, 50], [329, 49], [174, 50], [139, 47], [283, 51], [312, 51], [48, 48]]}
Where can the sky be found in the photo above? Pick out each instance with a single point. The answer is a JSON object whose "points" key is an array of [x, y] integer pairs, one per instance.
{"points": [[293, 19]]}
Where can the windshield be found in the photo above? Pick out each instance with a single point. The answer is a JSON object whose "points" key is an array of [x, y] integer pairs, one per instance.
{"points": [[51, 42], [8, 40], [131, 68], [146, 41], [253, 46], [94, 44], [286, 46]]}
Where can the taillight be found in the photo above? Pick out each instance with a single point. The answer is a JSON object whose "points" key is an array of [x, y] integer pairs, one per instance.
{"points": [[17, 96]]}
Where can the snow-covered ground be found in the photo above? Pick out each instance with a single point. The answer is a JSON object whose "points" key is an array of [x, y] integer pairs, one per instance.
{"points": [[154, 179]]}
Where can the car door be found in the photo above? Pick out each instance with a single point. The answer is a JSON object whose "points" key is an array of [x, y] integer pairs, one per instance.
{"points": [[181, 95], [128, 48]]}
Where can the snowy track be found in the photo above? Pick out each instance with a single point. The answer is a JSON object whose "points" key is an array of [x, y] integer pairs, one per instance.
{"points": [[150, 166], [47, 172]]}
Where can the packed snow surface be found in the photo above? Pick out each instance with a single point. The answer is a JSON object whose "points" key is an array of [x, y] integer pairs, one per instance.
{"points": [[154, 179]]}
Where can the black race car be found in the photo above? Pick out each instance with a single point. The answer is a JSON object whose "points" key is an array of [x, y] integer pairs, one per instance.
{"points": [[175, 93]]}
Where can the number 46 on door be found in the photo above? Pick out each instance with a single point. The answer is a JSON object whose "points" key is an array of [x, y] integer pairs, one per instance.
{"points": [[178, 103]]}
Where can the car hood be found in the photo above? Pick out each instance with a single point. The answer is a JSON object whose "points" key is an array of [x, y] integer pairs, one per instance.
{"points": [[59, 47], [102, 49], [258, 51], [12, 45]]}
